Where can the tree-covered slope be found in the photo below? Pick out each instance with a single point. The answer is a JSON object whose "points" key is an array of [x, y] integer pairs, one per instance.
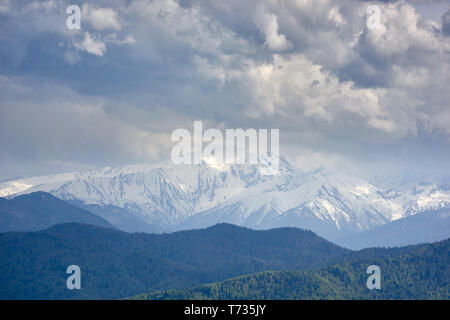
{"points": [[117, 264], [423, 273]]}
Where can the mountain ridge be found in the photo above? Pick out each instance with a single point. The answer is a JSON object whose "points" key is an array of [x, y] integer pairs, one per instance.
{"points": [[115, 264], [422, 273], [40, 210], [165, 197], [429, 226]]}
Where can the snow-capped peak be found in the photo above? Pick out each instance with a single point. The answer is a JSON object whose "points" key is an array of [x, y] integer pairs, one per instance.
{"points": [[184, 196]]}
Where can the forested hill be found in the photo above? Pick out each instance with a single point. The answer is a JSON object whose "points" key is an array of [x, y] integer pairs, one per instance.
{"points": [[423, 273], [117, 264]]}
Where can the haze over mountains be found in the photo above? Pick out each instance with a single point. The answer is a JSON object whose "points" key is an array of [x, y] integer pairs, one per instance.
{"points": [[427, 226], [164, 197]]}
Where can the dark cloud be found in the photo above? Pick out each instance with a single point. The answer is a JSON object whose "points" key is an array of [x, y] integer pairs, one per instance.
{"points": [[113, 91], [446, 23]]}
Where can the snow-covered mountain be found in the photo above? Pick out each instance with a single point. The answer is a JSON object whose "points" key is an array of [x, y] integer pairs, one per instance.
{"points": [[167, 197]]}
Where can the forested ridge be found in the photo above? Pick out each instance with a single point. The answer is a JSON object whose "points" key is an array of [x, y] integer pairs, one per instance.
{"points": [[421, 274]]}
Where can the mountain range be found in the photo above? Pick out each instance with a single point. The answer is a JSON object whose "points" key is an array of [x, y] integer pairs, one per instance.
{"points": [[422, 273], [40, 210], [164, 198], [116, 264], [428, 226]]}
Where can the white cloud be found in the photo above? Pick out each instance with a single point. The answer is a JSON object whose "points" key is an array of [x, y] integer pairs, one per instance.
{"points": [[268, 24], [296, 89], [390, 74], [91, 45], [101, 18], [112, 38]]}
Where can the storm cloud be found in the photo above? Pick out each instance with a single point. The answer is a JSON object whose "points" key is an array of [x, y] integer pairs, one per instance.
{"points": [[111, 93]]}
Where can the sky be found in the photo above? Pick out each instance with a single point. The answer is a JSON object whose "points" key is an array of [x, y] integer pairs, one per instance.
{"points": [[343, 96]]}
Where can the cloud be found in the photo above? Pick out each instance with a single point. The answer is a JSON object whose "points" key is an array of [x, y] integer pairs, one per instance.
{"points": [[5, 6], [268, 24], [112, 38], [310, 68], [101, 18], [46, 121], [446, 23], [91, 45], [43, 21]]}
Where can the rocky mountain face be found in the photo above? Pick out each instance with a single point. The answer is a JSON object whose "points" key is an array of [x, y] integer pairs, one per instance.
{"points": [[165, 197]]}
